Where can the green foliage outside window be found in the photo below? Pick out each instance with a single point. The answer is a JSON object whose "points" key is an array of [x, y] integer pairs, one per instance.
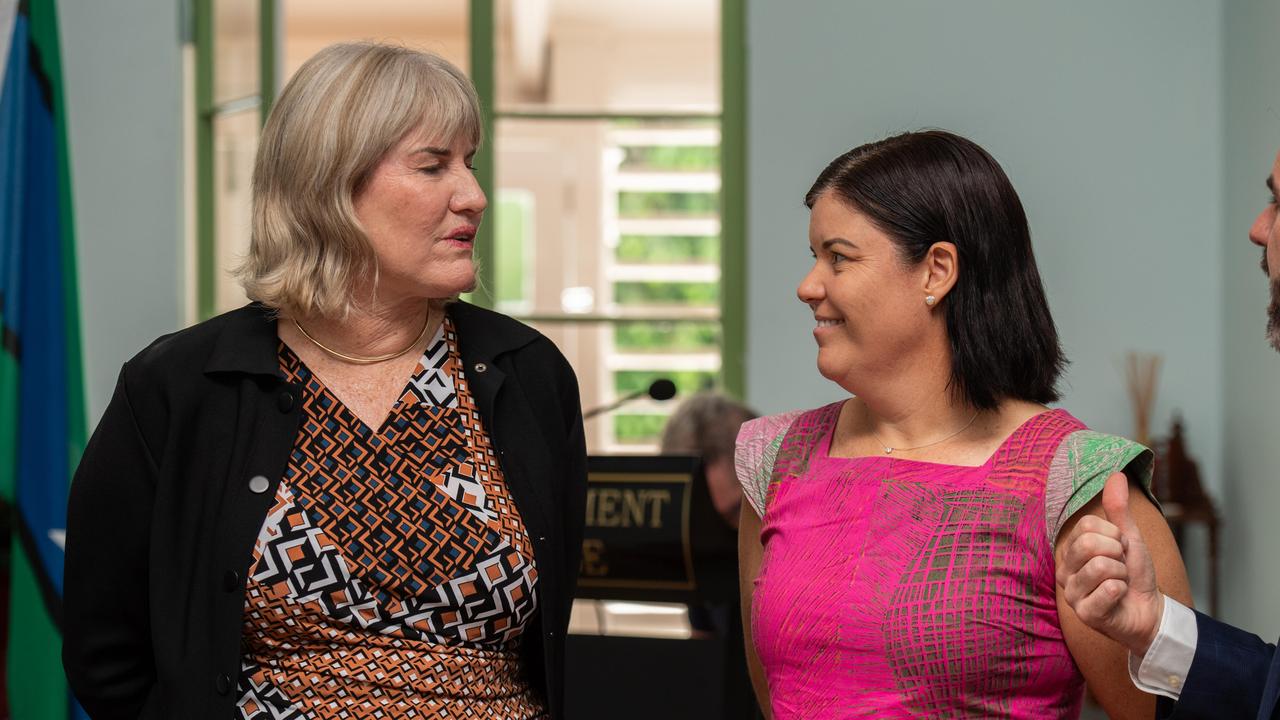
{"points": [[649, 204], [637, 429], [668, 249], [673, 158], [661, 293], [687, 382], [688, 336], [514, 224], [673, 336]]}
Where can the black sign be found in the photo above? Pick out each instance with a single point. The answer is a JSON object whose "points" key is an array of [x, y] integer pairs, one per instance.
{"points": [[651, 533]]}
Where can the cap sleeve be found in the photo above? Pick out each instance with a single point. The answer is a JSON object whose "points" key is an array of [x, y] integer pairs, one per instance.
{"points": [[756, 451], [1080, 469]]}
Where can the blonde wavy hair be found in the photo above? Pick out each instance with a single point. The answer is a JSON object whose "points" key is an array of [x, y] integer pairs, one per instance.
{"points": [[343, 110]]}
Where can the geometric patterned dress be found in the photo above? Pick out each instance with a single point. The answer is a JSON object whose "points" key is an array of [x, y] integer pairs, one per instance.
{"points": [[393, 576], [895, 588]]}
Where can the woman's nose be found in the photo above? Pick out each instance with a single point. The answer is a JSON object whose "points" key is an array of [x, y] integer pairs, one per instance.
{"points": [[811, 290], [469, 197]]}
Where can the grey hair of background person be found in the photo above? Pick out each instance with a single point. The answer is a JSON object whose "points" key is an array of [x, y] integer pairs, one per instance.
{"points": [[705, 424]]}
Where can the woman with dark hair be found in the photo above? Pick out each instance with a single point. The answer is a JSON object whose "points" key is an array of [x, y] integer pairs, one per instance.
{"points": [[898, 546]]}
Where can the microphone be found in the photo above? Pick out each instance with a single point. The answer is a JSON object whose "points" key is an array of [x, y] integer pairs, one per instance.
{"points": [[660, 390]]}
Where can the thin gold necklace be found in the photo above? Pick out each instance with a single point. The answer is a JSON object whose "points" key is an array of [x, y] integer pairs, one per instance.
{"points": [[889, 449], [358, 360]]}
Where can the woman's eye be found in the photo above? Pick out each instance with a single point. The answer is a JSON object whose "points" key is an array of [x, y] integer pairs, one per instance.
{"points": [[433, 170], [837, 258]]}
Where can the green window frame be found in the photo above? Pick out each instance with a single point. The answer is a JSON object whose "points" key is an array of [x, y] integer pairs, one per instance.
{"points": [[207, 112], [733, 172]]}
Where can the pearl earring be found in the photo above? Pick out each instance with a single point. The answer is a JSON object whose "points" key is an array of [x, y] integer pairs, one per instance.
{"points": [[930, 300]]}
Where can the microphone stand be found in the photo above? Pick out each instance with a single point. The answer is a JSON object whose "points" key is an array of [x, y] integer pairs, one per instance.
{"points": [[614, 405], [661, 389]]}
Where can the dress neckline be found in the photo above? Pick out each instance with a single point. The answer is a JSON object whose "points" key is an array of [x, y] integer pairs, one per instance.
{"points": [[286, 353], [828, 435]]}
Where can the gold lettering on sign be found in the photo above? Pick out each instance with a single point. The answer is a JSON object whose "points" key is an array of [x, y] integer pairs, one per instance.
{"points": [[659, 497], [632, 508], [627, 507], [607, 507], [593, 562]]}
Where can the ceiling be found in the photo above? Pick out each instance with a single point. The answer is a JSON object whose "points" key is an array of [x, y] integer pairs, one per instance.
{"points": [[449, 17]]}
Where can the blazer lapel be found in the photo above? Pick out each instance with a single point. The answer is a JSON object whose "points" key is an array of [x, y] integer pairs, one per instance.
{"points": [[511, 433], [484, 339]]}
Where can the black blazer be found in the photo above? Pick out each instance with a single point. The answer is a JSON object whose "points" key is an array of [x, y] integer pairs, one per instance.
{"points": [[1234, 675], [161, 520]]}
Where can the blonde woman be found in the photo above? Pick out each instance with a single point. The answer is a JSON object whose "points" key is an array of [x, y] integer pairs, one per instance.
{"points": [[355, 497]]}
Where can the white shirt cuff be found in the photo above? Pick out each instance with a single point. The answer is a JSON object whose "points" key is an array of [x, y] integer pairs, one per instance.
{"points": [[1164, 668]]}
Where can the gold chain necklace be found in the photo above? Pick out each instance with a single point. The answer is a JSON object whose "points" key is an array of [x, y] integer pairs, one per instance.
{"points": [[888, 449], [358, 360]]}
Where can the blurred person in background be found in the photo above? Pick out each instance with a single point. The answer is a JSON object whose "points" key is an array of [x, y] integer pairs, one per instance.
{"points": [[706, 425]]}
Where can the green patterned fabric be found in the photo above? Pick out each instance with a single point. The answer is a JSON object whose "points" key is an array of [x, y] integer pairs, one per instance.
{"points": [[1080, 469], [756, 453]]}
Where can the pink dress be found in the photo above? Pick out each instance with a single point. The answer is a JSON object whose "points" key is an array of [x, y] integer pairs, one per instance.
{"points": [[893, 588]]}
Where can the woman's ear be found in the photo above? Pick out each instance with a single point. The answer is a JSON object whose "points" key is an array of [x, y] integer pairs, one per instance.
{"points": [[941, 269]]}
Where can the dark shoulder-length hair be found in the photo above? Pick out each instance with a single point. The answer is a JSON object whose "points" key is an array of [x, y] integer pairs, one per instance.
{"points": [[920, 188]]}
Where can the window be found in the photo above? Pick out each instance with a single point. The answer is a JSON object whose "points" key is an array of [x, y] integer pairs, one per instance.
{"points": [[614, 167], [612, 126], [235, 60]]}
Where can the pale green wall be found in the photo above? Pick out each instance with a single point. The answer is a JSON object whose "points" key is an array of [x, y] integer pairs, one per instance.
{"points": [[1251, 491], [1107, 117], [123, 79]]}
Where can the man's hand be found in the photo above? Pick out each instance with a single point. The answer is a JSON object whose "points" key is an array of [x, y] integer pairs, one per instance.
{"points": [[1107, 576]]}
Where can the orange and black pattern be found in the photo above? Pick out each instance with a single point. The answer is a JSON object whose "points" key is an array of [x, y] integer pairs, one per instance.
{"points": [[393, 576]]}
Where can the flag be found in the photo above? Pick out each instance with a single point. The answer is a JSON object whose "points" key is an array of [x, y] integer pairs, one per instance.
{"points": [[42, 431]]}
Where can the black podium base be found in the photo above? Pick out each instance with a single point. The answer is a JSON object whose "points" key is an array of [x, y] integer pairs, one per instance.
{"points": [[624, 678]]}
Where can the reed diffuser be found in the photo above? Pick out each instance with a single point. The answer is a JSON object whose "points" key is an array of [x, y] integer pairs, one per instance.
{"points": [[1142, 370]]}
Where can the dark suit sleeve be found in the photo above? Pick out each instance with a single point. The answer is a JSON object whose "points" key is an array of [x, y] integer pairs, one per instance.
{"points": [[1227, 676], [107, 639]]}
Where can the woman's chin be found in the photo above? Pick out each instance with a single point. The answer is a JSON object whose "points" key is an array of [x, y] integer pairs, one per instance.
{"points": [[830, 370], [466, 287], [837, 370], [452, 286]]}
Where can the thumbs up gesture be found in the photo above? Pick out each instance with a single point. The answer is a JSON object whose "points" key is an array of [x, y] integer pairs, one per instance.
{"points": [[1106, 575]]}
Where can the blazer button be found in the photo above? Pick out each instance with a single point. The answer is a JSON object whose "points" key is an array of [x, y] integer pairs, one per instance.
{"points": [[481, 367], [259, 484], [285, 401], [231, 581], [223, 684]]}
